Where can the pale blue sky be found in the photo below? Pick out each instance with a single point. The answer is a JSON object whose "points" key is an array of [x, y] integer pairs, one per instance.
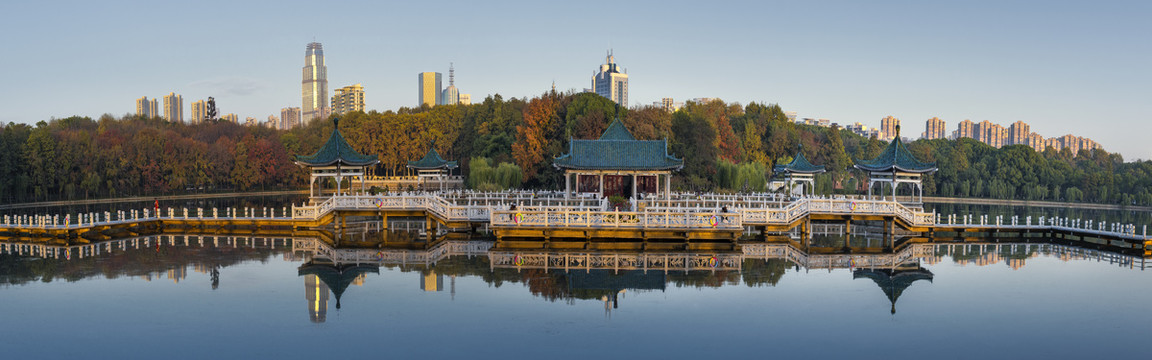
{"points": [[1063, 67]]}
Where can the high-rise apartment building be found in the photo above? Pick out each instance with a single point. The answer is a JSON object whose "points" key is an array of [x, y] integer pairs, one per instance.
{"points": [[965, 129], [289, 117], [1036, 142], [314, 88], [147, 108], [274, 123], [991, 134], [465, 99], [199, 112], [231, 117], [174, 107], [429, 92], [1018, 133], [934, 129], [888, 127], [348, 99], [610, 82]]}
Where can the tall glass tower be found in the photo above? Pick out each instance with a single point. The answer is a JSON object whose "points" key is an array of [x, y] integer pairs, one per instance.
{"points": [[314, 88]]}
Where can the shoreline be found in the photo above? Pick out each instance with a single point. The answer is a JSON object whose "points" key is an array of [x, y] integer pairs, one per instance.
{"points": [[150, 198], [983, 201]]}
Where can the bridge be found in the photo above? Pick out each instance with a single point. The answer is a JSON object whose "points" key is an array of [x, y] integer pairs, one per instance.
{"points": [[529, 215]]}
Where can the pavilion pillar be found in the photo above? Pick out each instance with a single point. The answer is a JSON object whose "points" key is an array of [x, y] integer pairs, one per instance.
{"points": [[633, 186], [567, 181], [601, 190], [668, 186]]}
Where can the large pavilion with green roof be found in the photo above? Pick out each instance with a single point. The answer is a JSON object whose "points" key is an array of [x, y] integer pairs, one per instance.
{"points": [[617, 164], [799, 170], [432, 166], [337, 160], [894, 166]]}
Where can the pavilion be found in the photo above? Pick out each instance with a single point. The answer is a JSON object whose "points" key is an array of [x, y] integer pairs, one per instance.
{"points": [[799, 170], [617, 164], [432, 166], [896, 165], [337, 160]]}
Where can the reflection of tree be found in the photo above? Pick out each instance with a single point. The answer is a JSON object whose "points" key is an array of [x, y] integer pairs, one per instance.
{"points": [[701, 279], [16, 270], [760, 272]]}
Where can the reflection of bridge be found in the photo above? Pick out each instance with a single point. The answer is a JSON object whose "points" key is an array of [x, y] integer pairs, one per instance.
{"points": [[722, 217]]}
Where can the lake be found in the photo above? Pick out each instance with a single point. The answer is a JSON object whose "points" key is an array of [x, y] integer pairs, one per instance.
{"points": [[201, 296]]}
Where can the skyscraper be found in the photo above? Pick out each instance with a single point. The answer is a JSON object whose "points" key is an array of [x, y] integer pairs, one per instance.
{"points": [[314, 88], [450, 95], [289, 117], [348, 98], [147, 108], [174, 107], [199, 111], [429, 88], [610, 82]]}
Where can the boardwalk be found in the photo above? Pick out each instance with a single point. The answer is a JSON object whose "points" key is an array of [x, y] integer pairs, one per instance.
{"points": [[528, 215]]}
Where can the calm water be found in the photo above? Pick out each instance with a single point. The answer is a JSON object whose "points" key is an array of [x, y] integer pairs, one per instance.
{"points": [[158, 297]]}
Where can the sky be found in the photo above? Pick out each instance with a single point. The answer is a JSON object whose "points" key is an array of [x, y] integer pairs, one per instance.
{"points": [[1063, 67]]}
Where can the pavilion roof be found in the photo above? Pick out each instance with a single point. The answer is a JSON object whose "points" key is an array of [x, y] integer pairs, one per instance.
{"points": [[896, 156], [799, 164], [336, 151], [617, 149], [432, 160]]}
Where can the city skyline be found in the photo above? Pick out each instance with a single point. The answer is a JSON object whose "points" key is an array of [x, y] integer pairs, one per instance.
{"points": [[1063, 67]]}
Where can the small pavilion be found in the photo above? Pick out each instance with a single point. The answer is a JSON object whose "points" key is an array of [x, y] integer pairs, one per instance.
{"points": [[617, 164], [799, 170], [337, 160], [894, 166], [432, 166]]}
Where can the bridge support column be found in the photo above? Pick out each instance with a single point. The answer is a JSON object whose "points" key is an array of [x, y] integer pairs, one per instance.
{"points": [[384, 220], [848, 226]]}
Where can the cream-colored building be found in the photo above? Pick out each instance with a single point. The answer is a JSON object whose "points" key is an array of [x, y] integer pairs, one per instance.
{"points": [[199, 110], [348, 99], [289, 118], [888, 127], [934, 129], [174, 107], [147, 108]]}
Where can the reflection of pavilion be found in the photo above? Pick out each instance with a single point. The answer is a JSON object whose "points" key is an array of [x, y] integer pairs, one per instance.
{"points": [[321, 277], [893, 281], [610, 284]]}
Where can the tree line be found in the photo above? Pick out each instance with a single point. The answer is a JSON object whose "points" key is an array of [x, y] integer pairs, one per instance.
{"points": [[725, 147]]}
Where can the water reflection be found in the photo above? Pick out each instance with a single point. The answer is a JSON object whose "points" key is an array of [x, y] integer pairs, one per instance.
{"points": [[328, 270]]}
